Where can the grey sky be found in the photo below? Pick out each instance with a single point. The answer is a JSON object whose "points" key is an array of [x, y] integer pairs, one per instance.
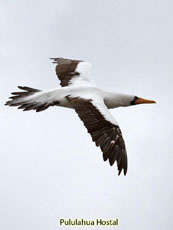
{"points": [[49, 167]]}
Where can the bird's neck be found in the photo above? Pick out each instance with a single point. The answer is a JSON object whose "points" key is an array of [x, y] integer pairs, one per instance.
{"points": [[114, 100]]}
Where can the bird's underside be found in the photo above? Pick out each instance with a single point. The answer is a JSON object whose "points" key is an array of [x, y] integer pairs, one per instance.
{"points": [[79, 93]]}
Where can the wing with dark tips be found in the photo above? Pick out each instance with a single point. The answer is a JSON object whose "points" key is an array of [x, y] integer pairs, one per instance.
{"points": [[103, 129], [73, 72]]}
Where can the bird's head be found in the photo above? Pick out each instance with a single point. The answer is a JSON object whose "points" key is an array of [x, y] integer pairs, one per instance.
{"points": [[123, 100], [138, 100]]}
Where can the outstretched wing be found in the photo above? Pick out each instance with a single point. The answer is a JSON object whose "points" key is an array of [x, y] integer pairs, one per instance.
{"points": [[103, 129], [73, 72]]}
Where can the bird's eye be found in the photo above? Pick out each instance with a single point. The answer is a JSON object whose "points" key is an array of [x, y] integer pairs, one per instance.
{"points": [[134, 100]]}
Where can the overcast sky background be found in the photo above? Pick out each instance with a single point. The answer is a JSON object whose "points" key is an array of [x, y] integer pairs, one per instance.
{"points": [[49, 167]]}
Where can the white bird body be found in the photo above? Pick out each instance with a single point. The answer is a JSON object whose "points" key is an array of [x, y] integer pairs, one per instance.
{"points": [[111, 100], [90, 103]]}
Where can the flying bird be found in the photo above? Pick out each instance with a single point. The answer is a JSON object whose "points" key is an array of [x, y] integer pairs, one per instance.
{"points": [[90, 103]]}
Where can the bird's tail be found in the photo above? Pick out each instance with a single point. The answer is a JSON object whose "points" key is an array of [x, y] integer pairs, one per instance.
{"points": [[31, 99]]}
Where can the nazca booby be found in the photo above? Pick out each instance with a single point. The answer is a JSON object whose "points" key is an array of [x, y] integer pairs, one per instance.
{"points": [[90, 103]]}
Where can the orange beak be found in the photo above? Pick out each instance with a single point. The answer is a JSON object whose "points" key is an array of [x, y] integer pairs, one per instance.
{"points": [[143, 101]]}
